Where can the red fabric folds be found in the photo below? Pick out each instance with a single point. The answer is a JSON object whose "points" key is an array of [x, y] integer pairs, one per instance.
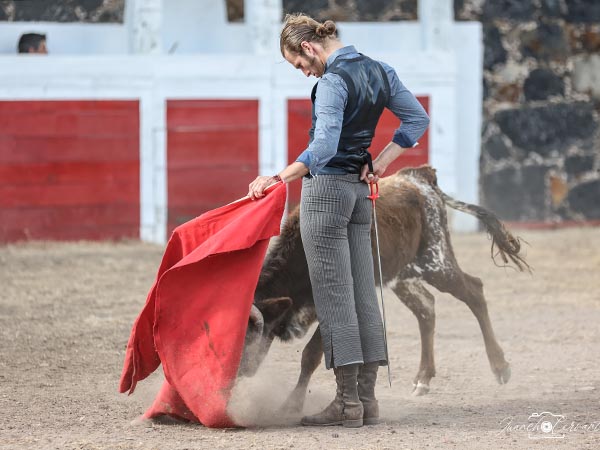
{"points": [[195, 317]]}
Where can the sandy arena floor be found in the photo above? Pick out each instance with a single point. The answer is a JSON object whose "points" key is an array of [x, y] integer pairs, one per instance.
{"points": [[66, 311]]}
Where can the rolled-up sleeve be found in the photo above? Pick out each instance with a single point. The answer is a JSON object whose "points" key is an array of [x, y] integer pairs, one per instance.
{"points": [[407, 108], [330, 102]]}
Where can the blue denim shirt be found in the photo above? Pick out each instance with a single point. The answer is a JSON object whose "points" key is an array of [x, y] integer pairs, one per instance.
{"points": [[330, 102]]}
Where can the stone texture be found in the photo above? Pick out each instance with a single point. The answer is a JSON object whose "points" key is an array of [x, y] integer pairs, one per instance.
{"points": [[590, 40], [459, 6], [467, 9], [541, 84], [354, 10], [375, 10], [517, 10], [584, 199], [496, 148], [370, 11], [486, 89], [578, 164], [584, 11], [235, 10], [548, 128], [547, 42], [310, 7], [60, 11], [511, 72], [494, 52], [93, 11], [3, 13], [583, 38], [517, 193], [508, 93], [552, 8], [586, 75], [558, 190], [539, 51]]}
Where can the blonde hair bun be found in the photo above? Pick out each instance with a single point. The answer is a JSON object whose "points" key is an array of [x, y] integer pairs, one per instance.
{"points": [[325, 29]]}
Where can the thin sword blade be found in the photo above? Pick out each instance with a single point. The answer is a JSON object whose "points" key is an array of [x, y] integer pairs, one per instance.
{"points": [[387, 357]]}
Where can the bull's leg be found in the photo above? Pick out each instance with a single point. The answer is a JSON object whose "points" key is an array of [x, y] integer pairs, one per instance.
{"points": [[311, 358], [422, 304], [470, 290]]}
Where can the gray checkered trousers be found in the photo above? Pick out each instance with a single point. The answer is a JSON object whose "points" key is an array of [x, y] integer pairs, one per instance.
{"points": [[335, 224]]}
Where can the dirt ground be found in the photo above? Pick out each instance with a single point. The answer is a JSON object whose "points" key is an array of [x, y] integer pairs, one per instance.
{"points": [[66, 311]]}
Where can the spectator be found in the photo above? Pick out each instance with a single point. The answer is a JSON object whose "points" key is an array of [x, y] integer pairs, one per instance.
{"points": [[33, 43]]}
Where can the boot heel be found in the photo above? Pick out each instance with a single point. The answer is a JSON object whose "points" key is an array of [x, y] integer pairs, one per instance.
{"points": [[371, 421], [353, 423]]}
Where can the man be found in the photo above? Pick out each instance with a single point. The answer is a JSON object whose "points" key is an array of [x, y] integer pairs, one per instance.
{"points": [[33, 43], [335, 213]]}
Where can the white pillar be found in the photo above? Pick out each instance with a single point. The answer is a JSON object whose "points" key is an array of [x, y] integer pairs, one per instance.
{"points": [[263, 19], [144, 24], [144, 19], [436, 19]]}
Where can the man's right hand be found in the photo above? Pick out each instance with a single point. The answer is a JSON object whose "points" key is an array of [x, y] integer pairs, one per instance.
{"points": [[256, 189]]}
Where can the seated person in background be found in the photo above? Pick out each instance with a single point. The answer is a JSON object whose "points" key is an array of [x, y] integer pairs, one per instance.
{"points": [[33, 43]]}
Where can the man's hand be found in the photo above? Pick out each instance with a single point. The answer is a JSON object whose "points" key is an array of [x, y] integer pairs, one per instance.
{"points": [[372, 177], [256, 189]]}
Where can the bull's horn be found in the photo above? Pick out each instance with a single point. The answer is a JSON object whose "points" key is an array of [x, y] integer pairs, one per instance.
{"points": [[256, 317]]}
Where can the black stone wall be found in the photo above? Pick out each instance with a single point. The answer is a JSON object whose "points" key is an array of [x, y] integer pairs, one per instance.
{"points": [[540, 150], [354, 10], [94, 11]]}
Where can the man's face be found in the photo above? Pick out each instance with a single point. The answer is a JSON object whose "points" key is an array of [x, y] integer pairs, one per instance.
{"points": [[41, 49], [307, 62]]}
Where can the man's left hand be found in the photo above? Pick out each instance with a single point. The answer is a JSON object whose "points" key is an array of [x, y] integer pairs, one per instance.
{"points": [[371, 177]]}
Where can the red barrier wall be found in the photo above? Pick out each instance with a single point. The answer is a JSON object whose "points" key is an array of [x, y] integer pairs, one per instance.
{"points": [[69, 170], [212, 155]]}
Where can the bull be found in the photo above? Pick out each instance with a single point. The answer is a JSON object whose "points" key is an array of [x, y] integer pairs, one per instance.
{"points": [[415, 250]]}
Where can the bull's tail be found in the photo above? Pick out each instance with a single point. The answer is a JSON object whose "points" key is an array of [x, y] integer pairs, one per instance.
{"points": [[508, 246]]}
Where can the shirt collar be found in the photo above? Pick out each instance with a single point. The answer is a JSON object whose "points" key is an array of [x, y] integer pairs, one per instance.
{"points": [[342, 51]]}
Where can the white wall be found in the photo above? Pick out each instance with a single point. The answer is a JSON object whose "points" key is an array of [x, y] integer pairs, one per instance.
{"points": [[68, 38], [224, 62]]}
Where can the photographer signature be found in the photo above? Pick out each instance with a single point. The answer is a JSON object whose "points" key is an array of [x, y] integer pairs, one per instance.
{"points": [[547, 425]]}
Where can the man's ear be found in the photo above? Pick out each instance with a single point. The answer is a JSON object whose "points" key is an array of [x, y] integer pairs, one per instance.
{"points": [[307, 48], [273, 308]]}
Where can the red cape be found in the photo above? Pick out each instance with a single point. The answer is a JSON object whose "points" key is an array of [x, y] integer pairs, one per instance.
{"points": [[195, 317]]}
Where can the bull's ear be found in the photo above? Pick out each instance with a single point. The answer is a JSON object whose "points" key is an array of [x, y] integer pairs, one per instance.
{"points": [[274, 308]]}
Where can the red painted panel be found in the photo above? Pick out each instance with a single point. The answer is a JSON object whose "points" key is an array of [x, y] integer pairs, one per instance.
{"points": [[31, 149], [69, 169], [191, 144], [212, 154], [68, 194], [299, 122], [84, 172], [69, 118]]}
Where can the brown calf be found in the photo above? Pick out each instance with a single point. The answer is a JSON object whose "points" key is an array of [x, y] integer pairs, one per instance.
{"points": [[415, 249]]}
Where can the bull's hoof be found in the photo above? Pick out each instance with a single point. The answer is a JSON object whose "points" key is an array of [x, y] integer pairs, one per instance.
{"points": [[291, 406], [503, 375], [420, 389]]}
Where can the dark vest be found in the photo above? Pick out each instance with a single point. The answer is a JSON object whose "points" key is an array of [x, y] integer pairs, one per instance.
{"points": [[368, 93]]}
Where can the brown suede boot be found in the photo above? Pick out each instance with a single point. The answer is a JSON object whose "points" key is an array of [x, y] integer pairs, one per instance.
{"points": [[367, 377], [346, 408]]}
